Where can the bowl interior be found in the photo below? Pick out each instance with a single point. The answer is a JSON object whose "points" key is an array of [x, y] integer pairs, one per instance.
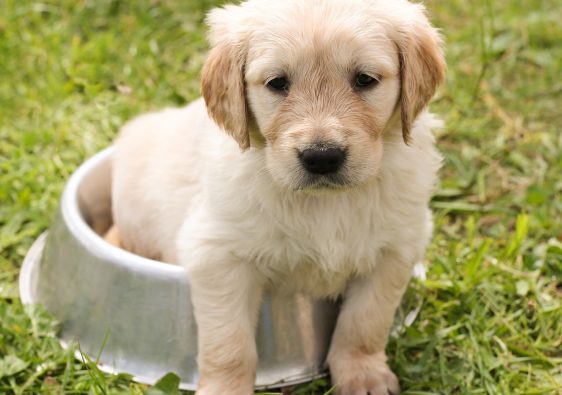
{"points": [[94, 197]]}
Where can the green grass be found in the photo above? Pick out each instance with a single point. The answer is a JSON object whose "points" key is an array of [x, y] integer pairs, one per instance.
{"points": [[72, 71]]}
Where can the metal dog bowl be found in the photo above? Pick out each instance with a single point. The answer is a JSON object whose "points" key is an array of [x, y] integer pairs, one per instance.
{"points": [[137, 312]]}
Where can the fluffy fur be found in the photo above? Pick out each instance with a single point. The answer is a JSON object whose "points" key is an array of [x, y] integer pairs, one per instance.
{"points": [[241, 213]]}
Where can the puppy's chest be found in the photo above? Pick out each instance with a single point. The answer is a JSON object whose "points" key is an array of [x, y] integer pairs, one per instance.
{"points": [[320, 250]]}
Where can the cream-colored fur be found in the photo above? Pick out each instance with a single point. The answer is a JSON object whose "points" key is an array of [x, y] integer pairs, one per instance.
{"points": [[241, 213]]}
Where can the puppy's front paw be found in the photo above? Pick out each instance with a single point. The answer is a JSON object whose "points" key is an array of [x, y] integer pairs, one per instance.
{"points": [[361, 374], [229, 384], [218, 390]]}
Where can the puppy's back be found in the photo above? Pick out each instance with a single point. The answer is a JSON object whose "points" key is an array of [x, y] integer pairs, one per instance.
{"points": [[155, 177]]}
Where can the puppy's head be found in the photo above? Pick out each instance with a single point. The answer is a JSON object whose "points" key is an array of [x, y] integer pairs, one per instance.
{"points": [[317, 83]]}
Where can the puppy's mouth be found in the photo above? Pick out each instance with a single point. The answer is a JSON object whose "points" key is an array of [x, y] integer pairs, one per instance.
{"points": [[332, 182]]}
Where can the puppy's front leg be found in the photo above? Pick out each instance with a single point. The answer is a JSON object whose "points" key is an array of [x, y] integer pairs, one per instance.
{"points": [[357, 354], [226, 298]]}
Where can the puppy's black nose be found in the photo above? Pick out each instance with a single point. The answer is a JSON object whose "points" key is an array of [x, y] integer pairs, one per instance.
{"points": [[322, 161]]}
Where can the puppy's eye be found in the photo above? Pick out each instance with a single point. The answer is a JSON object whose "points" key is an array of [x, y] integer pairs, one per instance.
{"points": [[280, 84], [365, 81]]}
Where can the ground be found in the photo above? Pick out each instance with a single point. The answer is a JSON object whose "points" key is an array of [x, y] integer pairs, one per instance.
{"points": [[71, 72]]}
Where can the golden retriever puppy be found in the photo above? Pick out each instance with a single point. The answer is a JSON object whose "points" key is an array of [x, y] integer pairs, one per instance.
{"points": [[308, 165]]}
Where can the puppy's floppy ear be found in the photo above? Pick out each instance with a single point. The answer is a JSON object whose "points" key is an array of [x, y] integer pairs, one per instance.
{"points": [[222, 79], [422, 68]]}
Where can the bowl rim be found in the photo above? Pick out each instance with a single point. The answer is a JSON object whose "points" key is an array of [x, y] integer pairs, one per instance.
{"points": [[94, 243]]}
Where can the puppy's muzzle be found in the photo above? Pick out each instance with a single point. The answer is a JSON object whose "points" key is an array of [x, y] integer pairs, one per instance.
{"points": [[322, 160]]}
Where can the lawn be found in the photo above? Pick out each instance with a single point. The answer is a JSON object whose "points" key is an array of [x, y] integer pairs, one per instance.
{"points": [[72, 71]]}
